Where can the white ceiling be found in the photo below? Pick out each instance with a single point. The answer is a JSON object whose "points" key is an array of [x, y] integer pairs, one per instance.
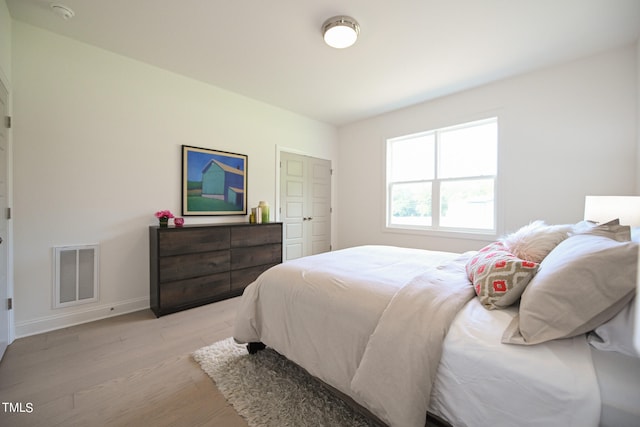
{"points": [[409, 51]]}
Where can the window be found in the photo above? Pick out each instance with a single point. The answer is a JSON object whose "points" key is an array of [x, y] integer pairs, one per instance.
{"points": [[444, 179]]}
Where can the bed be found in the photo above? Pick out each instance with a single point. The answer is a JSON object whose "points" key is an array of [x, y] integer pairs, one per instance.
{"points": [[407, 332]]}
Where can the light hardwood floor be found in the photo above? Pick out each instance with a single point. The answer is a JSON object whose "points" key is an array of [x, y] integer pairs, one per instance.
{"points": [[130, 370]]}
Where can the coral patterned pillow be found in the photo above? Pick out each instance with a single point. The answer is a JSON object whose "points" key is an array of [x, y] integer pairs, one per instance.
{"points": [[498, 276]]}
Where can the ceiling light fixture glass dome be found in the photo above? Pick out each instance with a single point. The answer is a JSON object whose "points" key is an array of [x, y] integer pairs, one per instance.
{"points": [[340, 31]]}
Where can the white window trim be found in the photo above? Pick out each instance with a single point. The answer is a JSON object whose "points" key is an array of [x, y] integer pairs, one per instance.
{"points": [[439, 231]]}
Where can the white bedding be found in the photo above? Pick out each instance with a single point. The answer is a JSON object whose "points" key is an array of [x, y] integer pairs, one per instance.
{"points": [[321, 311], [619, 380], [482, 382]]}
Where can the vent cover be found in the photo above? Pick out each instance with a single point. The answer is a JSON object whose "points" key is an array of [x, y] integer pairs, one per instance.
{"points": [[76, 275]]}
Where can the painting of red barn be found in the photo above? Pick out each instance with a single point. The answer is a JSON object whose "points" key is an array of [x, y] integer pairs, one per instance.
{"points": [[213, 182]]}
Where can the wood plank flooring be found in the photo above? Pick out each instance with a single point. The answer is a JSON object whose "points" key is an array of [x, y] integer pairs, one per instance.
{"points": [[130, 370]]}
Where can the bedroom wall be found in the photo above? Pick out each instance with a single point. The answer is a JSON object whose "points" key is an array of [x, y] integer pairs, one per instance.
{"points": [[97, 139], [565, 132]]}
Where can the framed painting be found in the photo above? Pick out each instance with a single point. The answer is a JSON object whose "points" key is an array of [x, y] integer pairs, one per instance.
{"points": [[213, 182]]}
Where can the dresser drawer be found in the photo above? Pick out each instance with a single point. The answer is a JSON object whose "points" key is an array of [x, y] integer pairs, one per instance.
{"points": [[242, 278], [254, 235], [256, 255], [193, 265], [175, 241], [186, 292]]}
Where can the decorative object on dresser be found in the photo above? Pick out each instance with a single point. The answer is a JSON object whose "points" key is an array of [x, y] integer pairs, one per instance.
{"points": [[213, 182], [163, 217], [264, 211], [199, 264]]}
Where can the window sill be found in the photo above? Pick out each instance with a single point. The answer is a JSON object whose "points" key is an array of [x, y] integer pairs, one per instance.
{"points": [[449, 233]]}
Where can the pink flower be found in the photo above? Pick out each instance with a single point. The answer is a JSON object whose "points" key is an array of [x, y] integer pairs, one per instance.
{"points": [[164, 214]]}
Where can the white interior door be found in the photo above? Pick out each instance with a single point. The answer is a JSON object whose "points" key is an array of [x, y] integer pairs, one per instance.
{"points": [[319, 205], [4, 250], [305, 205]]}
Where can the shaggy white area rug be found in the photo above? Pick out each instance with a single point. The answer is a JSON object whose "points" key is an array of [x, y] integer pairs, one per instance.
{"points": [[268, 390]]}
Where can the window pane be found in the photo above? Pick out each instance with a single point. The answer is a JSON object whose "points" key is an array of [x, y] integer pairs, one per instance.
{"points": [[411, 204], [469, 151], [413, 159], [467, 203]]}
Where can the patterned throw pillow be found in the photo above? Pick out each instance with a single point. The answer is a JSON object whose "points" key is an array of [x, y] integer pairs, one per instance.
{"points": [[498, 276]]}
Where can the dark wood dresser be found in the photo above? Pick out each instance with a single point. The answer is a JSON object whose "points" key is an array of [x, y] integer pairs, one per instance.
{"points": [[199, 264]]}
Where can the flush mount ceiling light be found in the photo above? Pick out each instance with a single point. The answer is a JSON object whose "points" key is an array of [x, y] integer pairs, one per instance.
{"points": [[62, 11], [340, 31]]}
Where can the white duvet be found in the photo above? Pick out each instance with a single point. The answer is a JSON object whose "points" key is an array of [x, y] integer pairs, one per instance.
{"points": [[483, 382], [359, 319]]}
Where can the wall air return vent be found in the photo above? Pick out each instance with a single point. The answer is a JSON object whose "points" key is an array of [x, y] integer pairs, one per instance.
{"points": [[76, 275]]}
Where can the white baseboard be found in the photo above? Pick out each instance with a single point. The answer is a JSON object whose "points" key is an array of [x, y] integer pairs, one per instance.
{"points": [[78, 316]]}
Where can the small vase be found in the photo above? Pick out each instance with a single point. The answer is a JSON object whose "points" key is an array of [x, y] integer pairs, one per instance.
{"points": [[164, 222], [264, 209]]}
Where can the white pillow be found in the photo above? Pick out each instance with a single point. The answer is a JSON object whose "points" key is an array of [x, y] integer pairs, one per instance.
{"points": [[611, 229], [617, 333], [533, 242], [583, 283]]}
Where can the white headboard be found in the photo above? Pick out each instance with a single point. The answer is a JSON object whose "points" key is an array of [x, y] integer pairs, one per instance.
{"points": [[606, 208]]}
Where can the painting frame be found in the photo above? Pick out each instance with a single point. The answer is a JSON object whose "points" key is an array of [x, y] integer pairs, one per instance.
{"points": [[214, 182]]}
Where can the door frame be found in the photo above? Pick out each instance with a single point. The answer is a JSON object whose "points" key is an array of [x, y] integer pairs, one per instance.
{"points": [[9, 238], [280, 149]]}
